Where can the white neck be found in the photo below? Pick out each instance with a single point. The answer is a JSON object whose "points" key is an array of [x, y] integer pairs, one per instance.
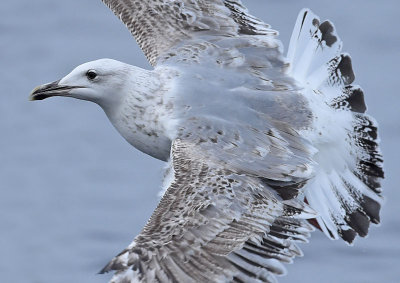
{"points": [[140, 114]]}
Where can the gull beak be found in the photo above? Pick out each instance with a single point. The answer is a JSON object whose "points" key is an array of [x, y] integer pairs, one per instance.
{"points": [[51, 89]]}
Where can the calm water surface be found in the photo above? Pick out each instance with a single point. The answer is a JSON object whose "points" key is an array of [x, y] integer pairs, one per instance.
{"points": [[74, 193]]}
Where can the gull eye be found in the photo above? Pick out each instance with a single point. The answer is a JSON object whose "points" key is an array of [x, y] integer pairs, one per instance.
{"points": [[91, 74]]}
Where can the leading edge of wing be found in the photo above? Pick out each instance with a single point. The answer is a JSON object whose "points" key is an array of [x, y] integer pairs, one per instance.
{"points": [[158, 26]]}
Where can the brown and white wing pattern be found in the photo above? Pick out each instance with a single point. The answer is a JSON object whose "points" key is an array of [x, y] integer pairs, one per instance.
{"points": [[160, 25], [214, 225]]}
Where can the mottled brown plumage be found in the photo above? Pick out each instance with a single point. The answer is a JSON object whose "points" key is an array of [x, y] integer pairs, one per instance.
{"points": [[257, 143], [160, 26]]}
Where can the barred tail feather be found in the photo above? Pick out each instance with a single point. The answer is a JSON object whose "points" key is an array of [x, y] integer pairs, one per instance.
{"points": [[346, 188]]}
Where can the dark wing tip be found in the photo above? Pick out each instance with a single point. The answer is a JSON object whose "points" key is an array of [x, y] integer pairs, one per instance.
{"points": [[328, 33]]}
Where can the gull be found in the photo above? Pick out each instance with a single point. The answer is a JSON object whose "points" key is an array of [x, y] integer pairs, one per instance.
{"points": [[262, 148]]}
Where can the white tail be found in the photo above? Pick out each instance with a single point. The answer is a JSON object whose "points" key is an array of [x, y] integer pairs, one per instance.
{"points": [[346, 188]]}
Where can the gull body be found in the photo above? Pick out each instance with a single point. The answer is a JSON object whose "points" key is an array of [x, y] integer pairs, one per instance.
{"points": [[147, 107], [262, 148]]}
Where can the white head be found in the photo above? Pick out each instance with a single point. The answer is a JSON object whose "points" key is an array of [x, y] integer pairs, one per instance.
{"points": [[101, 81], [127, 94]]}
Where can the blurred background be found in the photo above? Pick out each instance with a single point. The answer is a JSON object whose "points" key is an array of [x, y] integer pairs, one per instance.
{"points": [[73, 193]]}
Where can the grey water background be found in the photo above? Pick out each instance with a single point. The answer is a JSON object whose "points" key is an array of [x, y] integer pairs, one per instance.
{"points": [[73, 193]]}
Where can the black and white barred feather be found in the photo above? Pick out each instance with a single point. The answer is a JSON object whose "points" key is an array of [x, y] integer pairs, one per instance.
{"points": [[346, 189]]}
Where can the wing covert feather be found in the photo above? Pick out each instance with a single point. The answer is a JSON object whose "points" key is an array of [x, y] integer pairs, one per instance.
{"points": [[159, 25], [213, 224]]}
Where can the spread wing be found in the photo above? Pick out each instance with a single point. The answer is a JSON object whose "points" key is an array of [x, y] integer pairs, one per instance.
{"points": [[161, 25], [213, 225]]}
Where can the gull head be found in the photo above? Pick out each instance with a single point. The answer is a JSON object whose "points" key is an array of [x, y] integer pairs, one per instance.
{"points": [[99, 81], [130, 97]]}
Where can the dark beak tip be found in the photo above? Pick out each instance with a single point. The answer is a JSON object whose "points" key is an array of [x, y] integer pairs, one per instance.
{"points": [[43, 91], [37, 97], [50, 90], [33, 95]]}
